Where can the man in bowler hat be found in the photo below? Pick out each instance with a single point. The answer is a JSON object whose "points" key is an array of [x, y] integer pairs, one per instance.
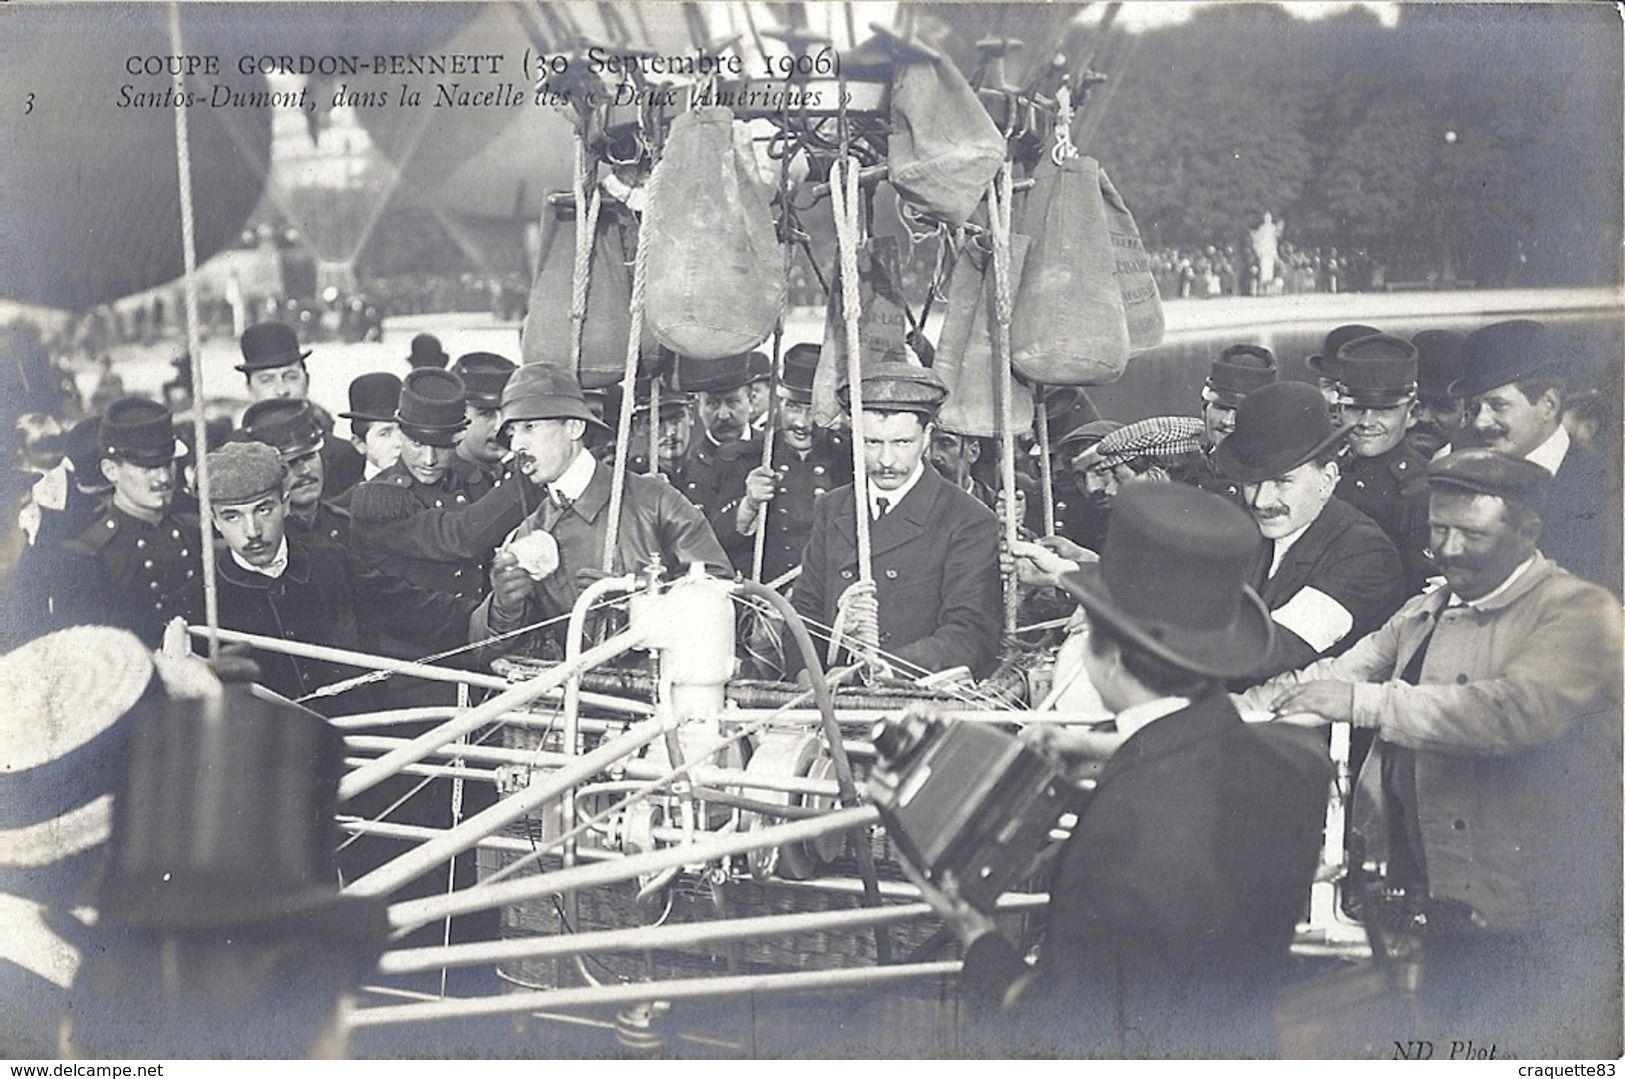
{"points": [[807, 462], [1515, 388], [1326, 571], [1382, 476], [934, 599], [1439, 413], [274, 368], [374, 397], [727, 446], [1173, 906], [1492, 798]]}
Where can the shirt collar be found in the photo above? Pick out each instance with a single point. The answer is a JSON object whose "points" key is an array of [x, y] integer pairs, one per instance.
{"points": [[1549, 454], [369, 470], [1283, 545], [575, 478], [1500, 589], [894, 498], [277, 564], [1135, 717]]}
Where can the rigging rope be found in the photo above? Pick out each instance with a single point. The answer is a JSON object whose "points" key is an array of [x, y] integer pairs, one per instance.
{"points": [[998, 205], [634, 342], [843, 194]]}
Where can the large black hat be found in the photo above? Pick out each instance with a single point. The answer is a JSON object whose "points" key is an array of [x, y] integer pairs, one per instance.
{"points": [[432, 409], [427, 352], [140, 431], [1438, 361], [1377, 371], [1324, 362], [270, 344], [484, 374], [714, 376], [1500, 353], [1172, 578], [287, 425], [800, 368], [1239, 370], [374, 396], [1278, 428]]}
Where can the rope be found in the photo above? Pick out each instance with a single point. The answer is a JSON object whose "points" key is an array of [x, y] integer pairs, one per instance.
{"points": [[998, 205], [634, 340], [1046, 472], [843, 194], [587, 207], [654, 425], [1064, 149], [759, 546], [194, 342]]}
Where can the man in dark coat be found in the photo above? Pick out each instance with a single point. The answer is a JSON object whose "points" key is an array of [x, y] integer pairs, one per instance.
{"points": [[1237, 372], [1173, 906], [274, 368], [1327, 573], [374, 397], [1323, 365], [808, 462], [727, 447], [934, 600], [1439, 413], [292, 428], [1383, 475], [477, 464], [1514, 388]]}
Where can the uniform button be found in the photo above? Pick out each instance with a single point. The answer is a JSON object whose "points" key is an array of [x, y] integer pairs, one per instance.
{"points": [[153, 586], [1461, 679], [891, 575], [438, 504], [1459, 825], [140, 545], [818, 490], [188, 575], [846, 573], [175, 533], [112, 524], [147, 563], [461, 499], [818, 470], [185, 552]]}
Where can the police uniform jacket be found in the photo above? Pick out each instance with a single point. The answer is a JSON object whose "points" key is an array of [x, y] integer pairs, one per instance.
{"points": [[122, 571], [935, 559], [1391, 489], [1201, 472], [475, 478], [655, 522], [1345, 558], [788, 517], [713, 472], [343, 466], [1173, 905], [310, 602]]}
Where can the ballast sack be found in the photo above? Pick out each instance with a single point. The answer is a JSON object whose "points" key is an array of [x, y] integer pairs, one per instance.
{"points": [[1068, 327], [546, 337], [944, 147], [715, 275], [882, 323], [965, 356], [1142, 303]]}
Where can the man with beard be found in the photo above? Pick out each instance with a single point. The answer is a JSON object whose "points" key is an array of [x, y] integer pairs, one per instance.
{"points": [[808, 461], [274, 368], [1439, 415], [1323, 364], [1325, 570], [726, 448], [292, 429], [136, 565], [1383, 474], [1515, 389], [1078, 517], [273, 583], [477, 464], [1492, 796]]}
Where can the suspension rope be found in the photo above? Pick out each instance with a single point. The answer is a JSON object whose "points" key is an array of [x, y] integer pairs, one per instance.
{"points": [[998, 205], [843, 194], [634, 342], [194, 342], [588, 199], [1046, 471], [759, 544]]}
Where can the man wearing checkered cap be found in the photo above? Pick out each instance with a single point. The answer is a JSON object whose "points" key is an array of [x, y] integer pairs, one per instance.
{"points": [[1149, 449]]}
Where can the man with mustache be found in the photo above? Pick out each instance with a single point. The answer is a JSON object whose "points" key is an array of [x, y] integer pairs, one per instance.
{"points": [[1439, 415], [1383, 474], [137, 565], [1325, 570], [1491, 799], [274, 368], [934, 600], [808, 461], [1515, 387], [727, 447], [477, 464], [292, 428]]}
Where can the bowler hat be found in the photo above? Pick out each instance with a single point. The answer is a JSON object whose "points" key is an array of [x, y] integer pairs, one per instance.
{"points": [[140, 431], [288, 426], [432, 406], [1377, 371], [224, 818], [1324, 362], [427, 352], [896, 386], [1278, 428], [1239, 370], [242, 472], [540, 391], [758, 366], [1438, 361], [800, 367], [1500, 353], [713, 376], [374, 396], [484, 374], [270, 344], [1491, 472], [83, 445], [1172, 579]]}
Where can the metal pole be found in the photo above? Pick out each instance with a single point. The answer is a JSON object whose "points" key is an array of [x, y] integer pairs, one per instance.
{"points": [[357, 659]]}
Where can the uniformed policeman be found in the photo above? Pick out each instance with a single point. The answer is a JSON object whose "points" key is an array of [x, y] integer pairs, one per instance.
{"points": [[477, 464], [292, 428], [1237, 372], [274, 367], [807, 461], [1323, 364], [1384, 476], [137, 565], [726, 449]]}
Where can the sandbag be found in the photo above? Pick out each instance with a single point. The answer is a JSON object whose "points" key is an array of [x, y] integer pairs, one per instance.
{"points": [[1142, 303], [1068, 327], [882, 323], [715, 276], [944, 148], [546, 334], [965, 355]]}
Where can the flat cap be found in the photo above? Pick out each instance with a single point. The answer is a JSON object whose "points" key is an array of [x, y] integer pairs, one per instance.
{"points": [[1083, 436], [1157, 437], [286, 424], [1377, 371], [898, 386], [714, 376], [242, 472], [1491, 472]]}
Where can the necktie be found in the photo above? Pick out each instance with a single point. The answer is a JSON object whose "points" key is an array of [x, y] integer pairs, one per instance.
{"points": [[881, 506]]}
